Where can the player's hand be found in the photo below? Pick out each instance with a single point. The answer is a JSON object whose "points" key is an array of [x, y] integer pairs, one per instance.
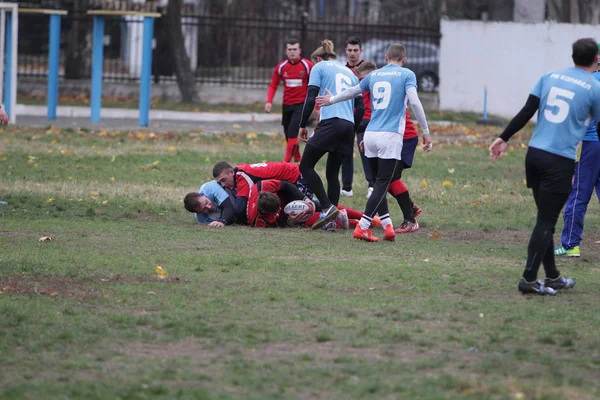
{"points": [[303, 135], [361, 146], [427, 143], [268, 107], [299, 218], [216, 224], [3, 117], [324, 101], [497, 149]]}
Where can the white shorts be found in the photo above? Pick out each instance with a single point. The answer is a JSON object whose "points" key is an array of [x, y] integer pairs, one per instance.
{"points": [[386, 145]]}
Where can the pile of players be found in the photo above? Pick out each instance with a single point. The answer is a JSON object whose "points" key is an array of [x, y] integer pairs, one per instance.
{"points": [[356, 100]]}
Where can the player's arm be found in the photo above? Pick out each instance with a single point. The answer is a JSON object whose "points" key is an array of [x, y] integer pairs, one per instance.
{"points": [[498, 147], [309, 105], [239, 208], [227, 212], [275, 79], [417, 109], [359, 111], [362, 127], [522, 117], [290, 191], [347, 94]]}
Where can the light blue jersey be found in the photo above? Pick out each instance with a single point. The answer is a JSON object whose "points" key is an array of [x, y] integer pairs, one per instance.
{"points": [[335, 77], [591, 135], [568, 98], [215, 193], [388, 86]]}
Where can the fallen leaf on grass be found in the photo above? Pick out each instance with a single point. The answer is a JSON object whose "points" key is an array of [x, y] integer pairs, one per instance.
{"points": [[447, 183], [451, 170], [50, 200], [161, 272], [45, 239], [435, 235]]}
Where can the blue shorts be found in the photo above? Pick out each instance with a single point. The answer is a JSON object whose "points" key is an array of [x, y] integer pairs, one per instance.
{"points": [[409, 147]]}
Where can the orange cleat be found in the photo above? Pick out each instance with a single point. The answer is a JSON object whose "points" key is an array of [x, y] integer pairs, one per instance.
{"points": [[364, 234], [390, 235], [376, 223]]}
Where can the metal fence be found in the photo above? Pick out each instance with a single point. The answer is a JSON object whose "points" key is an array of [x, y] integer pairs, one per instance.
{"points": [[224, 47]]}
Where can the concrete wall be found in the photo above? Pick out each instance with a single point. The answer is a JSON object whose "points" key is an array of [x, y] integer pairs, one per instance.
{"points": [[506, 57], [165, 91]]}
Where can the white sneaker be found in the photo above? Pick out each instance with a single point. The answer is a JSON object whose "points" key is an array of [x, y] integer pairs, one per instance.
{"points": [[369, 192], [347, 193]]}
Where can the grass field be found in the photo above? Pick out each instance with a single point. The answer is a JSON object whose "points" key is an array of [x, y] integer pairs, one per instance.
{"points": [[276, 314]]}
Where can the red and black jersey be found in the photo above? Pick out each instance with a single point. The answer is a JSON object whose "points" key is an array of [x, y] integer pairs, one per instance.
{"points": [[410, 131], [246, 175], [295, 80], [256, 219], [367, 101]]}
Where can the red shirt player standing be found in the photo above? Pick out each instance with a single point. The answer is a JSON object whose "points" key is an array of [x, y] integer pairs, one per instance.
{"points": [[294, 72]]}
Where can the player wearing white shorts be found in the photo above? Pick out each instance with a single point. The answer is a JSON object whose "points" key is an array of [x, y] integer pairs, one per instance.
{"points": [[391, 87]]}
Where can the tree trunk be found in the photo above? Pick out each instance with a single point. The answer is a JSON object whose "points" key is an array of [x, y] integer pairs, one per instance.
{"points": [[181, 62], [79, 53]]}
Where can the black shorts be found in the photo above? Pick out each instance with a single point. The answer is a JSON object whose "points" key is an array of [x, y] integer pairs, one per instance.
{"points": [[409, 146], [548, 172], [334, 135], [290, 119]]}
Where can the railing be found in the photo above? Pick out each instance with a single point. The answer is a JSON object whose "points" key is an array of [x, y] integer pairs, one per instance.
{"points": [[224, 48]]}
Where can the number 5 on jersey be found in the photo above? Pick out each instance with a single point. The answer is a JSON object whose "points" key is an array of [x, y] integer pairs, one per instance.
{"points": [[557, 109]]}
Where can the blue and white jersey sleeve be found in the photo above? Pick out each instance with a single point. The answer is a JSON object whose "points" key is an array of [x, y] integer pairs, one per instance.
{"points": [[365, 84], [537, 89], [411, 80], [214, 192], [314, 79]]}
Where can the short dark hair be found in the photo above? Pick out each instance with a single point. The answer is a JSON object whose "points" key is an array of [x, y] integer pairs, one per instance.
{"points": [[268, 203], [220, 167], [190, 201], [353, 40], [584, 52], [292, 40]]}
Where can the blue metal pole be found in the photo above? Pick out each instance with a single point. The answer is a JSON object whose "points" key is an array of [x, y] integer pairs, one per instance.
{"points": [[97, 65], [53, 65], [322, 8], [146, 75], [485, 102], [8, 68]]}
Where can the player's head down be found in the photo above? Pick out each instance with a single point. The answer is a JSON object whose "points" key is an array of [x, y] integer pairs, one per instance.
{"points": [[396, 53], [267, 203], [324, 52], [198, 203], [585, 52], [365, 69], [224, 174]]}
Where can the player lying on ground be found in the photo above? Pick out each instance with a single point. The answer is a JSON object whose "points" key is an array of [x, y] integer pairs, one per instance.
{"points": [[212, 205]]}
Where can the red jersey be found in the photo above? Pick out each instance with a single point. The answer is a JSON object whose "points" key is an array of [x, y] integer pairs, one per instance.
{"points": [[256, 219], [367, 101], [410, 131], [295, 81], [246, 175]]}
